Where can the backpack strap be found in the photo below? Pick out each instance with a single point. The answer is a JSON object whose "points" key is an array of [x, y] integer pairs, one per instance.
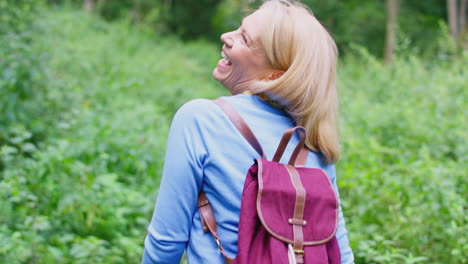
{"points": [[298, 220], [240, 124], [209, 222], [299, 155], [206, 212], [302, 158], [298, 158]]}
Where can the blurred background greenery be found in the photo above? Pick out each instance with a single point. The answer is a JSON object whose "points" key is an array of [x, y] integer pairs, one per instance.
{"points": [[88, 89]]}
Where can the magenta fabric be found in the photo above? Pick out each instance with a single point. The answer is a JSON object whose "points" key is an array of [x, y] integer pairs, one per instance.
{"points": [[257, 245]]}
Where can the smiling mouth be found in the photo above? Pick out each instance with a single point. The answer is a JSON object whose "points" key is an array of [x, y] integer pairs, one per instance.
{"points": [[225, 60]]}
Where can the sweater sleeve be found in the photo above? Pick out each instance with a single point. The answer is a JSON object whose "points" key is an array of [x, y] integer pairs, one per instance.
{"points": [[182, 178], [347, 256]]}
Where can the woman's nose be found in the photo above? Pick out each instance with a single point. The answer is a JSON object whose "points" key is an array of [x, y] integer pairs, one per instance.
{"points": [[226, 38]]}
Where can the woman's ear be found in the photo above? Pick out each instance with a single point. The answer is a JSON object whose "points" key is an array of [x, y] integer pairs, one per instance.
{"points": [[273, 75]]}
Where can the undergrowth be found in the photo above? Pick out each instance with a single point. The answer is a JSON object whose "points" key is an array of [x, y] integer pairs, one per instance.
{"points": [[82, 150]]}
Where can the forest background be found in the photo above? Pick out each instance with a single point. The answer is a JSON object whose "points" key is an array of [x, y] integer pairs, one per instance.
{"points": [[88, 89]]}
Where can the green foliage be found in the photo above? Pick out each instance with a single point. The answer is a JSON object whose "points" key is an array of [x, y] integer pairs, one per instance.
{"points": [[355, 22], [84, 194], [351, 22], [402, 175], [228, 16], [102, 96], [192, 20], [419, 22], [26, 103], [17, 15], [184, 18]]}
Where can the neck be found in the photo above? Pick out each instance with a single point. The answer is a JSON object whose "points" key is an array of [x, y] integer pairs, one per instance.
{"points": [[265, 98]]}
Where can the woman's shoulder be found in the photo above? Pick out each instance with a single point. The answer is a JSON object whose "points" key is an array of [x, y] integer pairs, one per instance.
{"points": [[196, 106], [196, 110], [201, 109]]}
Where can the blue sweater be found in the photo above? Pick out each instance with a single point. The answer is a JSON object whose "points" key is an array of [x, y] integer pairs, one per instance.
{"points": [[206, 151]]}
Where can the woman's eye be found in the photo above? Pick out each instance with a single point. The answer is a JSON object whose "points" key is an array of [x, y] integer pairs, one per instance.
{"points": [[244, 38]]}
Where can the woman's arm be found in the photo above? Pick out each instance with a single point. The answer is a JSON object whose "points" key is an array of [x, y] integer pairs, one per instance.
{"points": [[182, 178]]}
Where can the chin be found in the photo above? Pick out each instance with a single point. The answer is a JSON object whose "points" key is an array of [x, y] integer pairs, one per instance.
{"points": [[216, 75], [221, 78]]}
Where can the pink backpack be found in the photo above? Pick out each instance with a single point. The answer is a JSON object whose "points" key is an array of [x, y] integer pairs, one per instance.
{"points": [[289, 213]]}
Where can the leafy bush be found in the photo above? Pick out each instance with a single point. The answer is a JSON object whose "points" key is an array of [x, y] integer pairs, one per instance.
{"points": [[26, 102], [402, 175], [350, 21], [84, 193]]}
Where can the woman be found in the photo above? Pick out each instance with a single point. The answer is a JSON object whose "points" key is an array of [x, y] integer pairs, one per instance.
{"points": [[280, 67]]}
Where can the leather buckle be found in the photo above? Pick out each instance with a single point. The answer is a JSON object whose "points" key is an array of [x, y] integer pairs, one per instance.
{"points": [[294, 221], [299, 251], [219, 244]]}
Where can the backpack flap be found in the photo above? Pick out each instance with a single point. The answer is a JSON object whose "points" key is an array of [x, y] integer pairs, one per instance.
{"points": [[276, 201]]}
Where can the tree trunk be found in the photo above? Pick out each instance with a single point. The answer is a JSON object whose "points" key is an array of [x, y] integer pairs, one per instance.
{"points": [[462, 18], [88, 5], [137, 12], [452, 18], [392, 23]]}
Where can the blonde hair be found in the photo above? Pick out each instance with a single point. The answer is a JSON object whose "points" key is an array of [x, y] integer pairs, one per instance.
{"points": [[296, 43]]}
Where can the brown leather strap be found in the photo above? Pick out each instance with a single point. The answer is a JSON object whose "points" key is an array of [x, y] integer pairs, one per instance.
{"points": [[300, 150], [302, 158], [297, 221], [206, 212], [209, 222], [298, 158], [299, 258], [240, 124]]}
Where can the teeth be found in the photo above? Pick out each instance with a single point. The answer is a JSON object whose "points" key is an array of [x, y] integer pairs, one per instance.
{"points": [[225, 57], [226, 60]]}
